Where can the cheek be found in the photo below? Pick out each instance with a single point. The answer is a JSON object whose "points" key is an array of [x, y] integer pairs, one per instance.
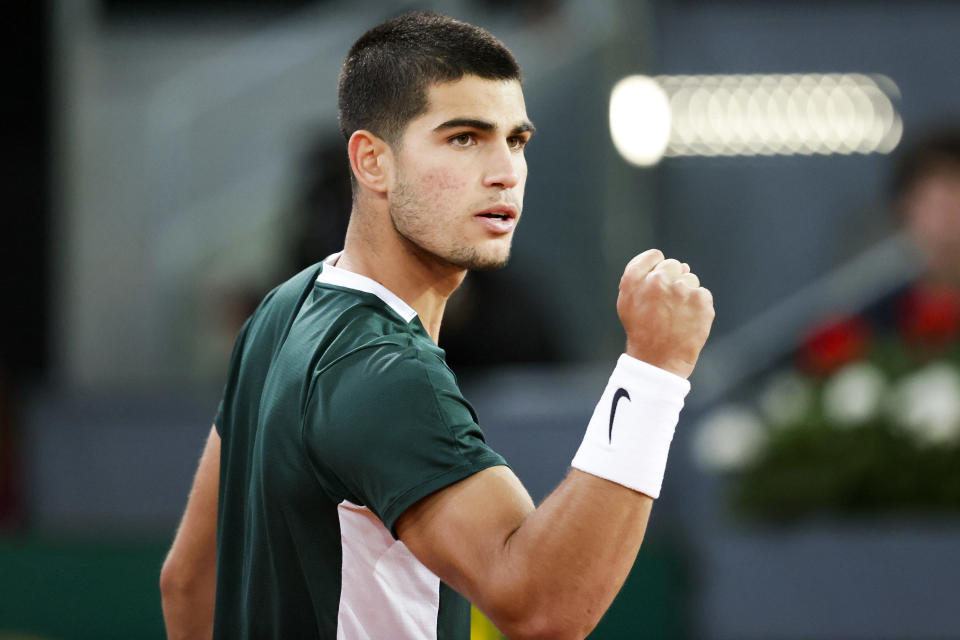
{"points": [[441, 184]]}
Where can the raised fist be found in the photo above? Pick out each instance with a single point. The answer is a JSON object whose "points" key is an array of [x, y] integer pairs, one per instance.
{"points": [[666, 313]]}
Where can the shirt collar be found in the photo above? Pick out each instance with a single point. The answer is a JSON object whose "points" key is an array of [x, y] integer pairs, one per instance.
{"points": [[342, 278]]}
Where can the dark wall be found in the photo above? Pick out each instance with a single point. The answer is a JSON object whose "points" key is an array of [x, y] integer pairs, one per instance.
{"points": [[24, 228], [25, 171]]}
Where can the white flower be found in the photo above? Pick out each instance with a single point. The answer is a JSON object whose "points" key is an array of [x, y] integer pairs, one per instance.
{"points": [[927, 404], [786, 399], [853, 394], [728, 438]]}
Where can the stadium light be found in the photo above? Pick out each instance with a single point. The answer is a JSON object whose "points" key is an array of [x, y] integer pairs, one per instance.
{"points": [[753, 115]]}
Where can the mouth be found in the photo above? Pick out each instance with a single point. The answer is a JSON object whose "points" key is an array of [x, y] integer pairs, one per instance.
{"points": [[499, 219], [499, 212]]}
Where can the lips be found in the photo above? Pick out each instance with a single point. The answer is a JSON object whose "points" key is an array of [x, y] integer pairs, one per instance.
{"points": [[498, 219]]}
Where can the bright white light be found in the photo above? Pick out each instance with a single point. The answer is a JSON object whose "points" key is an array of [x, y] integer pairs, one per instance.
{"points": [[745, 115], [640, 120]]}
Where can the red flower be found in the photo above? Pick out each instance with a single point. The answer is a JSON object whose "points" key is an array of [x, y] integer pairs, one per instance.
{"points": [[834, 343], [929, 316]]}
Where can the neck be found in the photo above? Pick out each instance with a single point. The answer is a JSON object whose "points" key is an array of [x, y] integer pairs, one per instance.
{"points": [[420, 279]]}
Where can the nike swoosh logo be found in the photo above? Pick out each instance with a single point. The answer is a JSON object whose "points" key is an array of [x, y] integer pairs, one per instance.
{"points": [[620, 393]]}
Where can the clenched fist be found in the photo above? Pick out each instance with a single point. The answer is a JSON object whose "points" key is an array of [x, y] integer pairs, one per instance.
{"points": [[666, 313]]}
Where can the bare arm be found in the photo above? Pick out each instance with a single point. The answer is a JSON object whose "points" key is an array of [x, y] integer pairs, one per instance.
{"points": [[552, 571], [549, 572], [188, 577]]}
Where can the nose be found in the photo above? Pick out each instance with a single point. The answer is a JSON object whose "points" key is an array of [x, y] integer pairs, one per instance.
{"points": [[503, 167]]}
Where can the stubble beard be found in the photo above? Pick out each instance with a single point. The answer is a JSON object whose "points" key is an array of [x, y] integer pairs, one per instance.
{"points": [[413, 222]]}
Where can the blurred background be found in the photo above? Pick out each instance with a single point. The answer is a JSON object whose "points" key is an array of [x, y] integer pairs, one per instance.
{"points": [[168, 162]]}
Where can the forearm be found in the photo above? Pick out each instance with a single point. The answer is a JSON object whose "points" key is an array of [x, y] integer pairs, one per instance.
{"points": [[560, 570], [188, 580], [188, 607], [575, 551]]}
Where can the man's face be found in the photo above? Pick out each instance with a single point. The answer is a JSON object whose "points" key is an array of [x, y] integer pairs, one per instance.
{"points": [[932, 214], [460, 172]]}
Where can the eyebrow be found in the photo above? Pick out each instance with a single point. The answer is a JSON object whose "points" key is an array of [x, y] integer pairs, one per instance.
{"points": [[483, 125]]}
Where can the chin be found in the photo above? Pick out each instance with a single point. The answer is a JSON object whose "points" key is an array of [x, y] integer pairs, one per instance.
{"points": [[490, 265], [474, 260]]}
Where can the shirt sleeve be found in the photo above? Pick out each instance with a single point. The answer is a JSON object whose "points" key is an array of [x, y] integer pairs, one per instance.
{"points": [[233, 372], [387, 426]]}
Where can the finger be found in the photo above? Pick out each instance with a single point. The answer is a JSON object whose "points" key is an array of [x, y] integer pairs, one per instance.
{"points": [[685, 267], [690, 279], [670, 269], [645, 261]]}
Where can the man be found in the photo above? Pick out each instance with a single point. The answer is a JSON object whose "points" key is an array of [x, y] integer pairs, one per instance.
{"points": [[927, 197], [357, 497]]}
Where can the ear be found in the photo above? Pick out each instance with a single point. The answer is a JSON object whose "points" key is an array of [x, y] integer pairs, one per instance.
{"points": [[370, 159]]}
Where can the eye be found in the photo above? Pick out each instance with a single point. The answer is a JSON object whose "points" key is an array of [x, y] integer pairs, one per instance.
{"points": [[517, 142], [462, 140]]}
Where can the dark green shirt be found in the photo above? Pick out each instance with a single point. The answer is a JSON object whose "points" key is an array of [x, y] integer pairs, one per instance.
{"points": [[338, 414]]}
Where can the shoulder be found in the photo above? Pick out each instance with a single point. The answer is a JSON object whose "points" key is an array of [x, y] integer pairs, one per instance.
{"points": [[270, 322], [289, 293], [391, 364], [393, 383], [386, 425]]}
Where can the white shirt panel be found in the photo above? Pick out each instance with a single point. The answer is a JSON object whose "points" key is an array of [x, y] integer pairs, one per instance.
{"points": [[385, 592]]}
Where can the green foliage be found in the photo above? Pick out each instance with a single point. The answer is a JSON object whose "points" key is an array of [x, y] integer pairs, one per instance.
{"points": [[878, 426], [818, 468]]}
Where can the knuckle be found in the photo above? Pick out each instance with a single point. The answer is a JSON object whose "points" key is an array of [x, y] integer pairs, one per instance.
{"points": [[631, 278], [658, 279], [710, 310], [632, 269]]}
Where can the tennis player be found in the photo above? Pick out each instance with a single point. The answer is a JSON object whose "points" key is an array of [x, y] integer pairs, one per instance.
{"points": [[346, 490]]}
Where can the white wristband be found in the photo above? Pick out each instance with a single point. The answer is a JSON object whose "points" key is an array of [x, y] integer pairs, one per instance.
{"points": [[629, 435]]}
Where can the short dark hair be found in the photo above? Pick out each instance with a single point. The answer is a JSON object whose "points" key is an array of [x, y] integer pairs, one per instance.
{"points": [[384, 80], [937, 150]]}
